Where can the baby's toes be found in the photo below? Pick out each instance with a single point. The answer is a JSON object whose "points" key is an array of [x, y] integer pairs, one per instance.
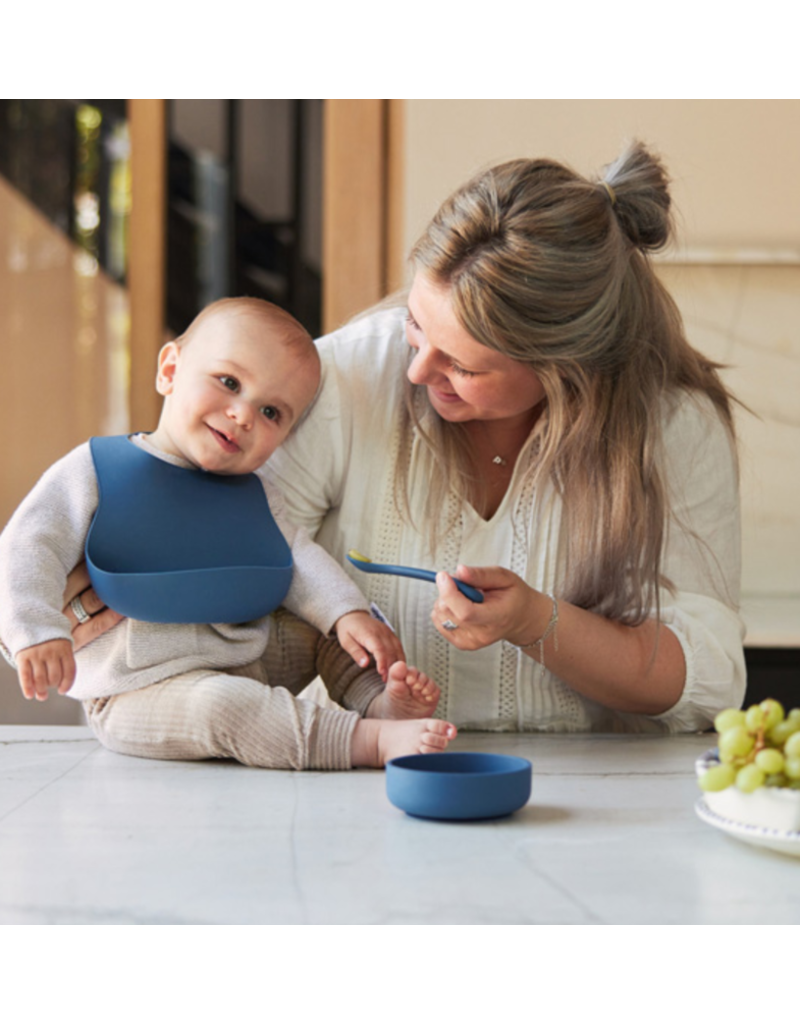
{"points": [[436, 736], [427, 687], [432, 743], [397, 677], [414, 680]]}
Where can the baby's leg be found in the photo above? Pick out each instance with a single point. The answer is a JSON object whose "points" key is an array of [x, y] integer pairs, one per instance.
{"points": [[409, 693], [297, 652], [202, 715]]}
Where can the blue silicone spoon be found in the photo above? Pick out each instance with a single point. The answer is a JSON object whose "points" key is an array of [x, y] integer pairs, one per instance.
{"points": [[365, 565]]}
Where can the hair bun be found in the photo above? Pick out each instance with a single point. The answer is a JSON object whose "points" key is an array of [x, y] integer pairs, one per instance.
{"points": [[639, 190]]}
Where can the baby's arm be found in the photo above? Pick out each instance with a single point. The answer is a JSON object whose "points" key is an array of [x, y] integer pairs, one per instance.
{"points": [[323, 594], [41, 543], [51, 664]]}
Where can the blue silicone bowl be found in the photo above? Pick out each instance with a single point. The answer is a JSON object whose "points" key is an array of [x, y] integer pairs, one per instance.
{"points": [[459, 786]]}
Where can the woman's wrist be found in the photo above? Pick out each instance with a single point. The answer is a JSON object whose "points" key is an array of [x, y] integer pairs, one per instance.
{"points": [[549, 629], [536, 648], [534, 620]]}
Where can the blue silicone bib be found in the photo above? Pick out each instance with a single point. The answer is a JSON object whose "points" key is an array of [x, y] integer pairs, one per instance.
{"points": [[179, 545]]}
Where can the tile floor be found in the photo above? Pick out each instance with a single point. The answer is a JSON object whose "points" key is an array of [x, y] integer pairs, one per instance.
{"points": [[610, 835]]}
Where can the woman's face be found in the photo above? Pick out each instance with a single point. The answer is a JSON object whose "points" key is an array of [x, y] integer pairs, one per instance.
{"points": [[465, 380]]}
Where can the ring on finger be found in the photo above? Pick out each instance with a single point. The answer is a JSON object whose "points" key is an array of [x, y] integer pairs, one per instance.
{"points": [[449, 625], [80, 612]]}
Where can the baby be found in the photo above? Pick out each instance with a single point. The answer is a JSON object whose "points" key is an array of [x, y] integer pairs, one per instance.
{"points": [[234, 386]]}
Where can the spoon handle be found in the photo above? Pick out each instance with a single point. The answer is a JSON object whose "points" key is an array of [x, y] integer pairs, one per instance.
{"points": [[415, 574]]}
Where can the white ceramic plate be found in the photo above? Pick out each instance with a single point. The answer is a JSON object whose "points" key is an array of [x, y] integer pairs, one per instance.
{"points": [[774, 809], [771, 838]]}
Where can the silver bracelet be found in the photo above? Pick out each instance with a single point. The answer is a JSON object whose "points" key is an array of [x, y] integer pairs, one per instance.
{"points": [[551, 628]]}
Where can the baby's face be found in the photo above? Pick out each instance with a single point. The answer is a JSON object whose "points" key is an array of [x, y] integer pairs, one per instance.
{"points": [[233, 393]]}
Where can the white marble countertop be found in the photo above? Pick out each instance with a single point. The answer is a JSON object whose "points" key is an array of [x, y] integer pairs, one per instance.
{"points": [[610, 835]]}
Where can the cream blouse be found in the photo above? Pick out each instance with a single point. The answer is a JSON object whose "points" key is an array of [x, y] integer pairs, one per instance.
{"points": [[336, 474]]}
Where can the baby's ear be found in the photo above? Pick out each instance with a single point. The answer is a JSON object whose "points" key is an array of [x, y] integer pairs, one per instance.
{"points": [[167, 365]]}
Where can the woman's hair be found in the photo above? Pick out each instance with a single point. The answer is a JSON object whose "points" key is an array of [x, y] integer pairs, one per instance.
{"points": [[552, 270]]}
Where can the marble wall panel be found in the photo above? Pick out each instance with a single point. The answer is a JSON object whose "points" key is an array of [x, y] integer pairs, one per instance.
{"points": [[748, 317]]}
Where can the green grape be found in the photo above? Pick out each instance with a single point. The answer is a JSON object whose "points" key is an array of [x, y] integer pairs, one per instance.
{"points": [[791, 747], [736, 742], [770, 761], [792, 767], [773, 712], [754, 717], [749, 778], [781, 732], [728, 719], [719, 777], [758, 746]]}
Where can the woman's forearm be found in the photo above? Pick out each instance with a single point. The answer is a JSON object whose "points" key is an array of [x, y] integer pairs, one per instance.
{"points": [[638, 669]]}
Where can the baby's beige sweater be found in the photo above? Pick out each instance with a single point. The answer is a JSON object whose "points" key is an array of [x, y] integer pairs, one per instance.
{"points": [[43, 542]]}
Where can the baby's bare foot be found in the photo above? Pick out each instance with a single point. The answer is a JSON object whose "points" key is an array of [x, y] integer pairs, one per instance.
{"points": [[408, 694], [376, 742]]}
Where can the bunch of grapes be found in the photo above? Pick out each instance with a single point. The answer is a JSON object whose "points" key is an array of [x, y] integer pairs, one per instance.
{"points": [[757, 747]]}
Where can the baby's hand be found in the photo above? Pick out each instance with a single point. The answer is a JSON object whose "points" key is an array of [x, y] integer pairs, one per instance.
{"points": [[361, 635], [51, 664]]}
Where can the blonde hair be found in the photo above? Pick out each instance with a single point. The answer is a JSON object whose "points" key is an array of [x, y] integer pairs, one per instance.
{"points": [[552, 270]]}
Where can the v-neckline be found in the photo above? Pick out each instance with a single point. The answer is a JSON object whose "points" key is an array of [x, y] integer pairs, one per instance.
{"points": [[475, 515]]}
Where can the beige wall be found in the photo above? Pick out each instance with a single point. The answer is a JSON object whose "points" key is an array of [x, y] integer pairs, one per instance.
{"points": [[735, 272], [736, 163], [64, 345]]}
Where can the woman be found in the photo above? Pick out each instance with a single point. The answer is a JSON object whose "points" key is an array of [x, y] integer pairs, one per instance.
{"points": [[557, 423], [534, 420]]}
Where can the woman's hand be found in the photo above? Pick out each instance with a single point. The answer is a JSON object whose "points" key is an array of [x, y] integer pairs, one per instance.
{"points": [[102, 618], [511, 610]]}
